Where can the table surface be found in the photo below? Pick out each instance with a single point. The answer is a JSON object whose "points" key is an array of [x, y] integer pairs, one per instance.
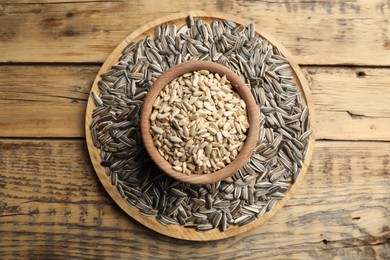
{"points": [[51, 202]]}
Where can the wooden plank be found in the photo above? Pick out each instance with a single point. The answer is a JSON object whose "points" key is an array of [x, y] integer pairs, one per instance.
{"points": [[44, 101], [316, 32], [54, 206], [350, 103]]}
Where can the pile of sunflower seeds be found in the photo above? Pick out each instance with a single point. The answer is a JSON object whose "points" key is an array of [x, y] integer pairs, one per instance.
{"points": [[199, 122], [254, 189]]}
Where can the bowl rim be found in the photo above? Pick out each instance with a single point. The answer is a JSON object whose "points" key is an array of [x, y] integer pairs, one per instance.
{"points": [[252, 112]]}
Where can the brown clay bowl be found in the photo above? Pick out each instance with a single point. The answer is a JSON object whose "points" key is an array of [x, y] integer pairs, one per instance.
{"points": [[253, 118]]}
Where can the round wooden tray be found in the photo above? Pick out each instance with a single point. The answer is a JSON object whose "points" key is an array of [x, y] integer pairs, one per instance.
{"points": [[178, 231]]}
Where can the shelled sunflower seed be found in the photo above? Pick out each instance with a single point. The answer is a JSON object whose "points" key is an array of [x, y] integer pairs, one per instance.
{"points": [[254, 189], [192, 122]]}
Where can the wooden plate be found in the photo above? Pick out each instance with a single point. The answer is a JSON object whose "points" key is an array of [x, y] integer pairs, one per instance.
{"points": [[178, 231]]}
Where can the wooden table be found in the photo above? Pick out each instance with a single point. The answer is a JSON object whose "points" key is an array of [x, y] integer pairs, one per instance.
{"points": [[51, 202]]}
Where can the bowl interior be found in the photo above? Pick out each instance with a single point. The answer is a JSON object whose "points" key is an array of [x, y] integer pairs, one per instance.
{"points": [[252, 112]]}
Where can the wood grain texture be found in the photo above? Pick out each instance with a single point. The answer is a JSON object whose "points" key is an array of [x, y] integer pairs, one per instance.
{"points": [[50, 101], [53, 206], [152, 223], [43, 100], [316, 32], [350, 103]]}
